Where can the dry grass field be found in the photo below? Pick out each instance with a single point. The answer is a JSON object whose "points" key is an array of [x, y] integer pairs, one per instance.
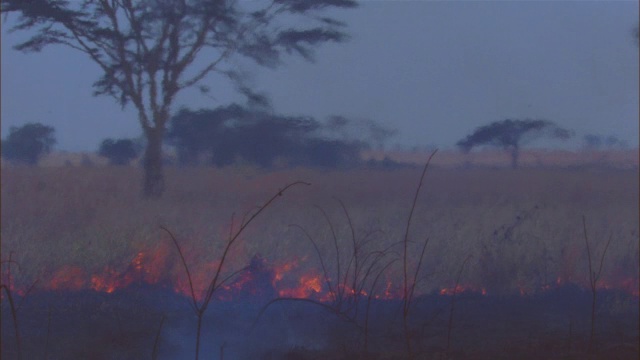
{"points": [[78, 236], [523, 228]]}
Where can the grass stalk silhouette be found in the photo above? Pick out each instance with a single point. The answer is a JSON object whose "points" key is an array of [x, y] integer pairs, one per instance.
{"points": [[347, 286], [409, 284], [14, 310], [594, 276], [7, 287], [46, 341], [356, 283], [453, 304], [154, 352], [201, 307], [14, 315]]}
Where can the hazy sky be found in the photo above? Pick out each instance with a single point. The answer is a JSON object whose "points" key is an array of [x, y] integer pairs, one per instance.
{"points": [[433, 70]]}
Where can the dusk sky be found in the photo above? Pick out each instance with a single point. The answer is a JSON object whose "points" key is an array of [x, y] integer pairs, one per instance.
{"points": [[433, 70]]}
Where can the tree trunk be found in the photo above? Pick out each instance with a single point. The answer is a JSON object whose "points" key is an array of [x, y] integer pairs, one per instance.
{"points": [[153, 186], [515, 153]]}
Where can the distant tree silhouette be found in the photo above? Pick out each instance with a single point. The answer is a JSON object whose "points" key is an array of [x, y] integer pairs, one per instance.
{"points": [[510, 134], [194, 133], [592, 142], [151, 50], [330, 153], [119, 152], [233, 132], [597, 142], [262, 138], [367, 130], [26, 144]]}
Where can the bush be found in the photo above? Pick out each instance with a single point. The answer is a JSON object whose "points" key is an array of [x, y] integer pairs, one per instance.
{"points": [[598, 142], [28, 143], [119, 152]]}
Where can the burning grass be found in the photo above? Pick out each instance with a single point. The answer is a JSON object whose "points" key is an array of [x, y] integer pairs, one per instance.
{"points": [[74, 225], [513, 232]]}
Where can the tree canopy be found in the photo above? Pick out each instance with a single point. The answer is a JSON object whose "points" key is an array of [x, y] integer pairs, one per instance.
{"points": [[510, 134]]}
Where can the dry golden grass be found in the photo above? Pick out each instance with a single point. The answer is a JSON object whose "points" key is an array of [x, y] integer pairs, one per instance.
{"points": [[522, 227]]}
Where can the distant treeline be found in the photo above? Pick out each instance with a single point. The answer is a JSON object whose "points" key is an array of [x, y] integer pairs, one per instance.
{"points": [[255, 135], [233, 133], [228, 135]]}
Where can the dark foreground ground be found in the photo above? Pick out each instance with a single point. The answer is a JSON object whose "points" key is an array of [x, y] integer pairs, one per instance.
{"points": [[126, 324]]}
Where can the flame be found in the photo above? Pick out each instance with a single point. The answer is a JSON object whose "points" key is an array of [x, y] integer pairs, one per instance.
{"points": [[201, 276], [144, 268], [14, 290], [388, 292], [107, 282], [68, 278], [629, 285], [308, 286], [458, 289], [148, 267], [281, 270], [11, 285], [260, 279]]}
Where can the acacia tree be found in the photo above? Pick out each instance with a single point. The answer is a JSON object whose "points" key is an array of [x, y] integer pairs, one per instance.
{"points": [[151, 50], [510, 135]]}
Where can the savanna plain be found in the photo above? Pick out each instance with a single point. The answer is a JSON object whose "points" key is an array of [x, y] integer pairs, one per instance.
{"points": [[505, 270]]}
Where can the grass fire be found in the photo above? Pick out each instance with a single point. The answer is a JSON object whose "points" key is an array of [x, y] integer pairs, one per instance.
{"points": [[433, 262]]}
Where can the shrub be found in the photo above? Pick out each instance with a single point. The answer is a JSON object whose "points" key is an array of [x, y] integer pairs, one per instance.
{"points": [[119, 152], [27, 144]]}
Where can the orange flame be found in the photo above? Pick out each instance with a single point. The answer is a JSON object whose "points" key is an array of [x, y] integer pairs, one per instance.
{"points": [[458, 289], [107, 282], [260, 279], [68, 278], [308, 286]]}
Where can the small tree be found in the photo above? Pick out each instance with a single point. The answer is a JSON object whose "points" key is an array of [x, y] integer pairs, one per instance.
{"points": [[27, 144], [119, 152], [511, 134]]}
